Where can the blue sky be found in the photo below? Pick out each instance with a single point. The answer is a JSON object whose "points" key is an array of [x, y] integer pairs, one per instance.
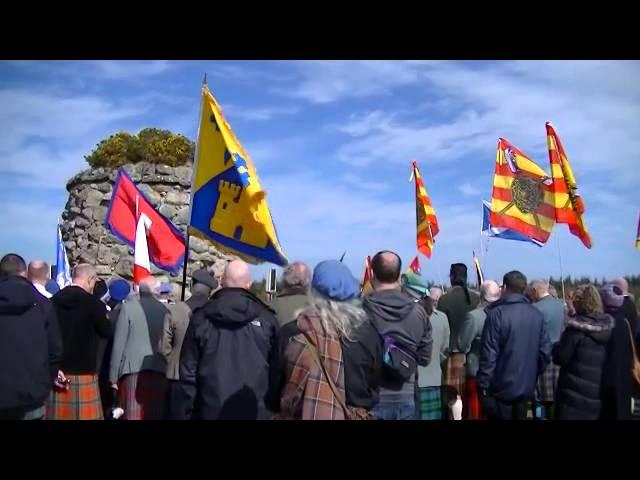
{"points": [[333, 140]]}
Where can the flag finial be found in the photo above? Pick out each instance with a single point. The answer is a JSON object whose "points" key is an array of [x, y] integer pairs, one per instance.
{"points": [[204, 80]]}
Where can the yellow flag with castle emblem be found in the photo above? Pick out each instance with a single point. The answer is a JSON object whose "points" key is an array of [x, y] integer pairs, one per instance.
{"points": [[228, 204]]}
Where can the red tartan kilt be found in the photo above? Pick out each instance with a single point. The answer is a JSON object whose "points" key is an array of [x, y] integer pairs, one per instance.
{"points": [[456, 373], [81, 401], [143, 396], [471, 404]]}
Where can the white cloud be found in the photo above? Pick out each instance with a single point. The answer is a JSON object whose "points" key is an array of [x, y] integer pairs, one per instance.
{"points": [[328, 81], [594, 110], [123, 69], [98, 69], [46, 136], [364, 184], [468, 189], [257, 114]]}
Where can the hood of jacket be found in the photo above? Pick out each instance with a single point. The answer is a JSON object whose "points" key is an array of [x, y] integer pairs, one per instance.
{"points": [[234, 306], [71, 297], [17, 295], [598, 327], [389, 305]]}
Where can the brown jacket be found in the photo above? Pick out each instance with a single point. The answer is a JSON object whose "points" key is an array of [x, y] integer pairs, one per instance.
{"points": [[175, 327], [307, 395]]}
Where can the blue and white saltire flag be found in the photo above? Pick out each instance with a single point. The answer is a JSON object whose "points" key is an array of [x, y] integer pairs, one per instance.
{"points": [[499, 232], [63, 269]]}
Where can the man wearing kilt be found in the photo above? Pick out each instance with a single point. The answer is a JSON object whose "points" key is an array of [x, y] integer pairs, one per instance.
{"points": [[470, 336], [455, 304], [554, 316], [83, 321], [430, 402], [137, 368]]}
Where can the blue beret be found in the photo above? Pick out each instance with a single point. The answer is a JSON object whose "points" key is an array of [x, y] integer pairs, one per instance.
{"points": [[119, 289], [333, 280]]}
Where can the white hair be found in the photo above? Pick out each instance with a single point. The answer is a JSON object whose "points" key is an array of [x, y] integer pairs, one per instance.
{"points": [[344, 317]]}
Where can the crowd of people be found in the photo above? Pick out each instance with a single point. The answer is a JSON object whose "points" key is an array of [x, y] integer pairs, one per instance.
{"points": [[320, 350]]}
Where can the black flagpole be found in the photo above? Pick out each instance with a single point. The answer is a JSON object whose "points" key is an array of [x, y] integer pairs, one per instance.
{"points": [[186, 243]]}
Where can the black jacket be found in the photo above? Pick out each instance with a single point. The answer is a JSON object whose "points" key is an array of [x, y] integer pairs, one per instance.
{"points": [[581, 355], [83, 320], [196, 302], [226, 355], [30, 345], [515, 349], [617, 384], [393, 312], [362, 357]]}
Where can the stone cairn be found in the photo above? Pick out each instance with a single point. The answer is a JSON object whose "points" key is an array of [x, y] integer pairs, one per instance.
{"points": [[87, 240]]}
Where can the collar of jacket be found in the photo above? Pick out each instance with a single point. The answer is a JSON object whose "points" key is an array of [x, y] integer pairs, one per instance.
{"points": [[230, 291], [591, 323], [510, 299]]}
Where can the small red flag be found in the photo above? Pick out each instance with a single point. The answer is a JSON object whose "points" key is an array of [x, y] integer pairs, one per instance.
{"points": [[414, 266]]}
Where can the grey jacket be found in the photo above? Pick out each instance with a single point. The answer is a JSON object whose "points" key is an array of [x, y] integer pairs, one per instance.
{"points": [[175, 326], [469, 339], [286, 305], [553, 313], [394, 313], [431, 375], [137, 338]]}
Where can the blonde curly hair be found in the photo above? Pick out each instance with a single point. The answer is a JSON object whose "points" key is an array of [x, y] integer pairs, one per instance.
{"points": [[586, 300]]}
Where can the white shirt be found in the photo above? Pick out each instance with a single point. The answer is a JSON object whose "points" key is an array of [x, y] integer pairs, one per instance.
{"points": [[42, 290]]}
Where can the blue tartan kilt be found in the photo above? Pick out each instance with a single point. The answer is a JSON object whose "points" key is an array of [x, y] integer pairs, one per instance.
{"points": [[547, 384], [430, 403]]}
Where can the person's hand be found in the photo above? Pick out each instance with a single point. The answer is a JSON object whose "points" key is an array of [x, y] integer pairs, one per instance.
{"points": [[114, 386], [61, 381]]}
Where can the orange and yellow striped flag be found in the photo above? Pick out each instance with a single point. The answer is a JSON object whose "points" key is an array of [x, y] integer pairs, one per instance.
{"points": [[522, 198], [426, 221], [367, 276], [568, 203]]}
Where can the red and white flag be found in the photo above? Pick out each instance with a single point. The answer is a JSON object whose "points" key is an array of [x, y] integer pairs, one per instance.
{"points": [[414, 266], [141, 263]]}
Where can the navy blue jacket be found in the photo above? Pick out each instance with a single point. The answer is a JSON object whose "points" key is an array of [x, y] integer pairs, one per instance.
{"points": [[515, 349], [228, 353], [30, 345]]}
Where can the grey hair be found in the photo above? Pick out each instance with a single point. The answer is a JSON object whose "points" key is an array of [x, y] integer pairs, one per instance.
{"points": [[345, 317], [83, 270], [540, 285], [149, 286], [296, 276]]}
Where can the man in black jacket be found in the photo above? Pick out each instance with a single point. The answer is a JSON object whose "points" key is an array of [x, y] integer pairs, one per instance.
{"points": [[403, 322], [227, 352], [30, 344], [515, 349], [83, 321]]}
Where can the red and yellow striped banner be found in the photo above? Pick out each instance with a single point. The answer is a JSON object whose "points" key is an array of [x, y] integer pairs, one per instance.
{"points": [[367, 276], [522, 199], [569, 206], [638, 235], [426, 221]]}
